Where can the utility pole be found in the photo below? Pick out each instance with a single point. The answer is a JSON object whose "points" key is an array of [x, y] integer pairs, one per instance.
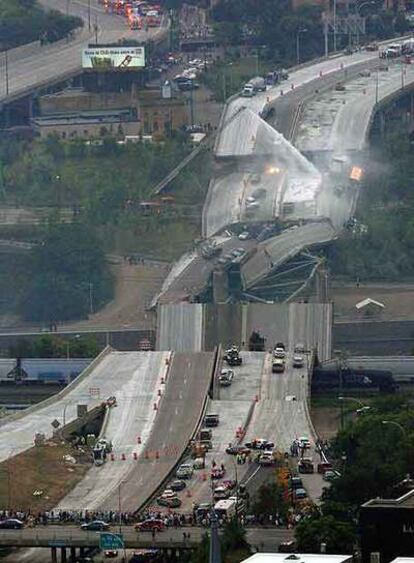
{"points": [[89, 15], [334, 26], [96, 29], [377, 87], [91, 297], [6, 63], [192, 106], [325, 33]]}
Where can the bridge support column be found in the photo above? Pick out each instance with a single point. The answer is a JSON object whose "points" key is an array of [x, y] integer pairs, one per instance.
{"points": [[53, 553], [73, 553], [63, 554], [82, 551]]}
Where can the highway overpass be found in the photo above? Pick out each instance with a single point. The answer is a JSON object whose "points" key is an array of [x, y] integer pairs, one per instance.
{"points": [[35, 67]]}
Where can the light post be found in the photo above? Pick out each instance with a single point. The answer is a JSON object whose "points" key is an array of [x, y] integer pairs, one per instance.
{"points": [[120, 517], [393, 423], [341, 398], [334, 26], [6, 69], [89, 15], [298, 43], [68, 346], [377, 87]]}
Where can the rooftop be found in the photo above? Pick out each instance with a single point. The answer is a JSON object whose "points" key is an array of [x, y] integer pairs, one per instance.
{"points": [[404, 501], [297, 558]]}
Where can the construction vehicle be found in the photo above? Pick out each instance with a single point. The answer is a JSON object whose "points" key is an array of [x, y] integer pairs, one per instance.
{"points": [[256, 342]]}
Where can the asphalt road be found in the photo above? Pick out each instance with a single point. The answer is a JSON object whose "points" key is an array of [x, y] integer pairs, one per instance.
{"points": [[234, 407], [51, 63], [275, 251], [339, 121], [18, 431], [180, 327], [179, 411], [136, 379]]}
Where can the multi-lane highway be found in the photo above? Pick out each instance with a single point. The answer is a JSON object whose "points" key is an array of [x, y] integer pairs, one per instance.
{"points": [[39, 66], [179, 412], [180, 327], [338, 121], [136, 378]]}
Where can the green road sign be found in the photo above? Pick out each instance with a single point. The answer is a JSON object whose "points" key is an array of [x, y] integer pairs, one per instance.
{"points": [[111, 541]]}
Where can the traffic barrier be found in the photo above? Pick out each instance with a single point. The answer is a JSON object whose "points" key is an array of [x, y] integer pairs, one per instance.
{"points": [[159, 393], [157, 455], [146, 456], [256, 398], [189, 493], [281, 92], [135, 455], [139, 440], [123, 457], [112, 457], [162, 381], [155, 406], [292, 86]]}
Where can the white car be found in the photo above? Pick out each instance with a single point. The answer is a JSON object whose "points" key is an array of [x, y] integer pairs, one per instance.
{"points": [[168, 493], [279, 353], [304, 442], [298, 361], [245, 235]]}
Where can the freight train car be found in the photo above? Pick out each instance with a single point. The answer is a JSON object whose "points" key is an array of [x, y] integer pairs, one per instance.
{"points": [[327, 379]]}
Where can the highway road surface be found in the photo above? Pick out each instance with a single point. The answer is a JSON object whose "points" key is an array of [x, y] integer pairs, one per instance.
{"points": [[180, 327], [276, 250], [90, 388], [136, 379], [235, 405], [339, 121], [53, 62], [179, 411], [191, 276]]}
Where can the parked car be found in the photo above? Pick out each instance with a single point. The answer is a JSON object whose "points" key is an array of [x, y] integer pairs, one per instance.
{"points": [[111, 553], [245, 235], [217, 473], [95, 526], [149, 525], [330, 475], [173, 502], [298, 361], [11, 524], [300, 494], [260, 444], [226, 377], [237, 449], [178, 485], [185, 471]]}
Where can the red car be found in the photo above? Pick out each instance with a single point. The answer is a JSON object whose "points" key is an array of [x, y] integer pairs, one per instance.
{"points": [[150, 525]]}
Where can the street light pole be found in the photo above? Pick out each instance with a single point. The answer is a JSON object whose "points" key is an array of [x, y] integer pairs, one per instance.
{"points": [[89, 15], [298, 44], [6, 68], [119, 514], [334, 26], [393, 423]]}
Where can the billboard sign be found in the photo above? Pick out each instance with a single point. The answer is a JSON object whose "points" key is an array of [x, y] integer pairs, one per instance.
{"points": [[113, 58]]}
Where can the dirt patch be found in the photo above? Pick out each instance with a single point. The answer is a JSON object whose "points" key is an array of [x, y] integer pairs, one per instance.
{"points": [[326, 421], [397, 298], [41, 468], [135, 287]]}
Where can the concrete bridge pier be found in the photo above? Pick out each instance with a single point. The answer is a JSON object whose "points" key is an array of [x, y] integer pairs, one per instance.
{"points": [[63, 554], [73, 553], [53, 553]]}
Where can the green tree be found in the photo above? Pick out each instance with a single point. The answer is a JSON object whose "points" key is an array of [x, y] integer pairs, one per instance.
{"points": [[269, 500], [69, 275], [338, 536]]}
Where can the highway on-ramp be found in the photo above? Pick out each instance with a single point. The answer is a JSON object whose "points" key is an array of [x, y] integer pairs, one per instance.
{"points": [[136, 379], [179, 412], [34, 68]]}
